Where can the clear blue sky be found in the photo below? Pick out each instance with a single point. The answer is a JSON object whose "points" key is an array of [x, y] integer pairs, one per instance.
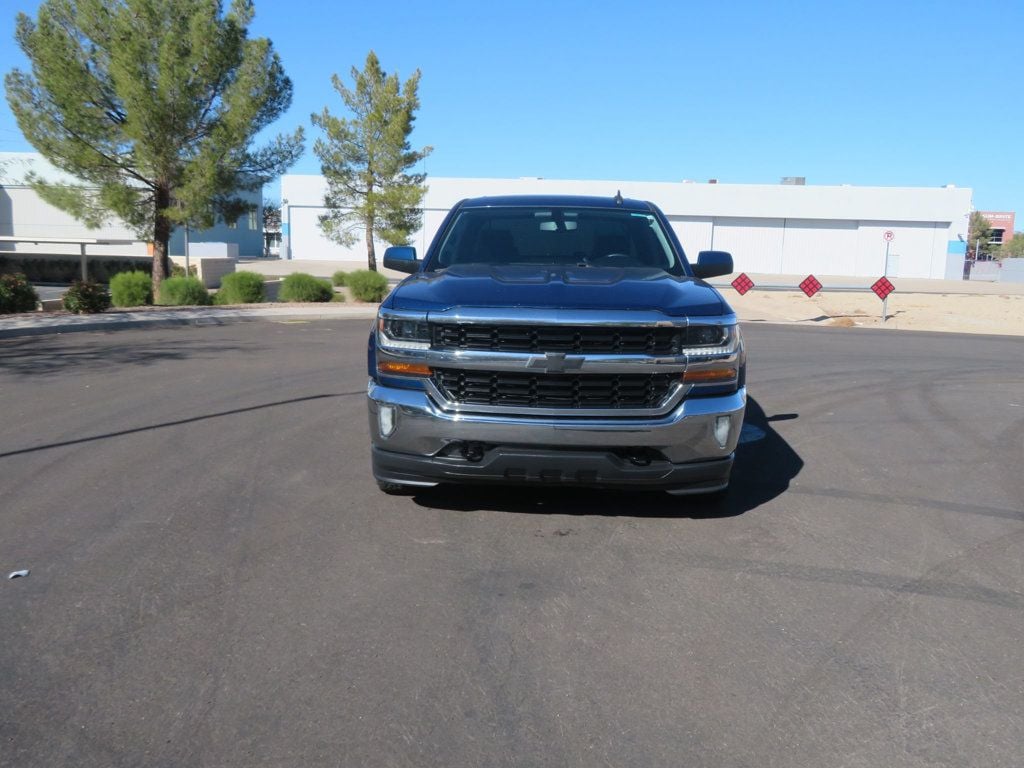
{"points": [[868, 93]]}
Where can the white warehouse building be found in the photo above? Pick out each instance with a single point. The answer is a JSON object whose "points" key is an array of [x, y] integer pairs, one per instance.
{"points": [[769, 229], [24, 215]]}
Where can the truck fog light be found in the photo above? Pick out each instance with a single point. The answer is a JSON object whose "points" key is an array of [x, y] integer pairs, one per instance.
{"points": [[387, 419], [722, 426]]}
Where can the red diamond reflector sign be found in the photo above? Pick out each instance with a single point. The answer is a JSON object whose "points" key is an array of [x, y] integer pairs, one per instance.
{"points": [[882, 287], [810, 285], [742, 284]]}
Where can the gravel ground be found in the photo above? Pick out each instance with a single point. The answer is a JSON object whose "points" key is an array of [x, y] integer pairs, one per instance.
{"points": [[1001, 314]]}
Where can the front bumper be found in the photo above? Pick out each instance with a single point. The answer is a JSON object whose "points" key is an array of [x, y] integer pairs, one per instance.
{"points": [[555, 450]]}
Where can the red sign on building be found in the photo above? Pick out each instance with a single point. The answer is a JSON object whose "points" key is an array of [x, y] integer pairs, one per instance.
{"points": [[810, 285], [1002, 223]]}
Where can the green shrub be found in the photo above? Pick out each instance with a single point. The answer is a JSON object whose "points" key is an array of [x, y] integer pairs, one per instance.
{"points": [[131, 289], [103, 270], [339, 278], [16, 294], [367, 286], [183, 292], [241, 288], [86, 298], [299, 286], [179, 271]]}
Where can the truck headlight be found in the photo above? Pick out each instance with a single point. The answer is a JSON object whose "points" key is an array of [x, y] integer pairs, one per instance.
{"points": [[403, 332], [709, 339], [713, 363], [706, 336]]}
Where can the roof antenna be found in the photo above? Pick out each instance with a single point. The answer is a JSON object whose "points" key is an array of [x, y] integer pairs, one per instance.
{"points": [[618, 197]]}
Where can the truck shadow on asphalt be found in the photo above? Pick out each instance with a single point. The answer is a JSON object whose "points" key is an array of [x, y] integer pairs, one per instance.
{"points": [[102, 351], [765, 466], [147, 428]]}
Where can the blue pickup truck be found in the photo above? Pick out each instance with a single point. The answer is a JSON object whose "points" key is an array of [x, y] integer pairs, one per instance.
{"points": [[559, 341]]}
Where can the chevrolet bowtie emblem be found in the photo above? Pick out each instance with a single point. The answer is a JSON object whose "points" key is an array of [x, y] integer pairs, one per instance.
{"points": [[555, 362]]}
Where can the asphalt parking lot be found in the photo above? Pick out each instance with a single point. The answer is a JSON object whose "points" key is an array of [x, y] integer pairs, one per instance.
{"points": [[216, 581]]}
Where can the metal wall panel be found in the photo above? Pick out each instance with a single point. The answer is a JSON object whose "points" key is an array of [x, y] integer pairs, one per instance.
{"points": [[308, 242], [694, 232], [755, 244], [917, 250], [432, 220], [819, 247]]}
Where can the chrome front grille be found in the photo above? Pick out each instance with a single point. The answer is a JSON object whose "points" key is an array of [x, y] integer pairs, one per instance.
{"points": [[598, 340], [597, 391]]}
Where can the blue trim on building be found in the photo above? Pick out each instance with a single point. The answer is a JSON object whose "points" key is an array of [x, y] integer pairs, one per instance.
{"points": [[247, 232], [956, 246]]}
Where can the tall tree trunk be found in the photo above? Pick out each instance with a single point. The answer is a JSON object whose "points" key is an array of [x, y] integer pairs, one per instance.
{"points": [[161, 237], [371, 254]]}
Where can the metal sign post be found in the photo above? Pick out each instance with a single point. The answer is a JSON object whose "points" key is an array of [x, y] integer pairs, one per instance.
{"points": [[888, 236]]}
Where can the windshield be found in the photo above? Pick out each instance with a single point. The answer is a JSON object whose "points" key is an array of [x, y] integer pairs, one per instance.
{"points": [[555, 236]]}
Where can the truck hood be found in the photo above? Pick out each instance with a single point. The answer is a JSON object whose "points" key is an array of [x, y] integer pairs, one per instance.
{"points": [[534, 287]]}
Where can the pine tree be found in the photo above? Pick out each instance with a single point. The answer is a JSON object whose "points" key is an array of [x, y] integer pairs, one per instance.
{"points": [[153, 105], [979, 234], [366, 160], [1012, 248]]}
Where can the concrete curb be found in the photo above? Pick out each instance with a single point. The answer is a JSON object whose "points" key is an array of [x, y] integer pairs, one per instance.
{"points": [[40, 326]]}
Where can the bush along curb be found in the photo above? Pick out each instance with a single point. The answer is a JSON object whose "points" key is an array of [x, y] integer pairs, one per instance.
{"points": [[16, 295], [183, 292], [131, 289], [241, 287], [86, 298], [301, 287]]}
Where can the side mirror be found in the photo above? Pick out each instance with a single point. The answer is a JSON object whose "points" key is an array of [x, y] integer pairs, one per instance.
{"points": [[401, 258], [712, 264]]}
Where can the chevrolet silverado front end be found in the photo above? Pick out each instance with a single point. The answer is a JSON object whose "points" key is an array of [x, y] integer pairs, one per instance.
{"points": [[556, 341]]}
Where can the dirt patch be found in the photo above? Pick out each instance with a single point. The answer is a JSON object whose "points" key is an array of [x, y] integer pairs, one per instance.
{"points": [[959, 313]]}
